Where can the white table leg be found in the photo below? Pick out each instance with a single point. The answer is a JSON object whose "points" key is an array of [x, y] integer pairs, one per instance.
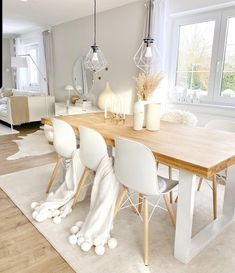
{"points": [[184, 218], [185, 246]]}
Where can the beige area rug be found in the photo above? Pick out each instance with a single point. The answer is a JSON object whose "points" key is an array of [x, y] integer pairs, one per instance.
{"points": [[5, 130], [34, 144], [29, 185]]}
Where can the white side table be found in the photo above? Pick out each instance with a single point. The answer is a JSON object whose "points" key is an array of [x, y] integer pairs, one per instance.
{"points": [[61, 109]]}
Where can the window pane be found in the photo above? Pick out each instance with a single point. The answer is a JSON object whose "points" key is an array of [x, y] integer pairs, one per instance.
{"points": [[194, 58], [33, 72], [228, 83]]}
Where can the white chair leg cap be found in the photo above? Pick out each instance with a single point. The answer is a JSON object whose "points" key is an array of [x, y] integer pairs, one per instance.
{"points": [[80, 240]]}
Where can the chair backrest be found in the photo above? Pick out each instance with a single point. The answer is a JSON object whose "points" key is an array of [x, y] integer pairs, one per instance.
{"points": [[92, 148], [219, 124], [64, 139], [135, 166], [181, 117], [48, 131]]}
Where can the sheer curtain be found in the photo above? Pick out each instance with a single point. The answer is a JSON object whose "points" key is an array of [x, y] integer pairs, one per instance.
{"points": [[48, 52], [160, 32], [21, 73]]}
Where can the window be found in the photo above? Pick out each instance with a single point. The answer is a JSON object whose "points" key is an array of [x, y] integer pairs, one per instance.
{"points": [[203, 62], [33, 74]]}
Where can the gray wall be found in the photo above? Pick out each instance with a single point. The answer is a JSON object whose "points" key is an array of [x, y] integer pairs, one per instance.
{"points": [[120, 32], [6, 64]]}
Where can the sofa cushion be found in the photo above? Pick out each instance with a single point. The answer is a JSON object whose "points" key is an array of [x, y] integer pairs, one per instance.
{"points": [[17, 92]]}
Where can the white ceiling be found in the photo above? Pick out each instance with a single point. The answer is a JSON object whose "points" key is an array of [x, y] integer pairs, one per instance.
{"points": [[25, 16]]}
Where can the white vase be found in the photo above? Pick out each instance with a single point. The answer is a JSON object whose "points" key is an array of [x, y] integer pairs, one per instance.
{"points": [[106, 96], [138, 116], [153, 116]]}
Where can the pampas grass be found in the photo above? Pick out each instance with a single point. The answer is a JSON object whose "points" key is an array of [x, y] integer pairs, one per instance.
{"points": [[146, 84]]}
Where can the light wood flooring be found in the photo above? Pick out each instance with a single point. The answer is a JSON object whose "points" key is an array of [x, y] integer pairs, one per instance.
{"points": [[22, 248]]}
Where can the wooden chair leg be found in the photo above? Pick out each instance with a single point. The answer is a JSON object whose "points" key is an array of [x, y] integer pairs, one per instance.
{"points": [[169, 208], [140, 202], [52, 178], [200, 183], [214, 188], [146, 232], [119, 201], [170, 177], [80, 186]]}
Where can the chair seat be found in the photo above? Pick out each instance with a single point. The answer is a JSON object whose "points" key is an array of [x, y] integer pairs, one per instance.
{"points": [[166, 185]]}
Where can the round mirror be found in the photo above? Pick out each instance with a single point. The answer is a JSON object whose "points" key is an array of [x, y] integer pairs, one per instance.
{"points": [[82, 78]]}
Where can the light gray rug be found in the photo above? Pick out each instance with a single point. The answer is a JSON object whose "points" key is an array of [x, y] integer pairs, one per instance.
{"points": [[6, 130], [29, 185]]}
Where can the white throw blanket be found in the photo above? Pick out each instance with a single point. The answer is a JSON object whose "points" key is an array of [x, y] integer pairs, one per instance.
{"points": [[96, 228], [59, 204]]}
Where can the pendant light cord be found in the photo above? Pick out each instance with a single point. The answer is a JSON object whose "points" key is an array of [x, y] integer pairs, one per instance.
{"points": [[149, 18], [94, 22]]}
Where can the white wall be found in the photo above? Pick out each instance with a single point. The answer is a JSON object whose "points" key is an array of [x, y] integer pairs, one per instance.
{"points": [[6, 64], [120, 32], [185, 5]]}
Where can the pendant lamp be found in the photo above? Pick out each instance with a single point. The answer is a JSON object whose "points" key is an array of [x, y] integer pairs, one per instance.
{"points": [[95, 60], [148, 53]]}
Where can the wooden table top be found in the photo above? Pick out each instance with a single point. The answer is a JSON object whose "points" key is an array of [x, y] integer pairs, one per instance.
{"points": [[202, 151]]}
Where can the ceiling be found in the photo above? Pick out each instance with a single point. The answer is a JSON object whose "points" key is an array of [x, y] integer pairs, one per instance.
{"points": [[22, 16]]}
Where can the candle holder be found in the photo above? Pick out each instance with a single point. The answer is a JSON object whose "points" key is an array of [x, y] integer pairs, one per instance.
{"points": [[116, 118]]}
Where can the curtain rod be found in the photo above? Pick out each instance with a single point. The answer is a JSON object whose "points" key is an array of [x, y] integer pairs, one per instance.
{"points": [[204, 9]]}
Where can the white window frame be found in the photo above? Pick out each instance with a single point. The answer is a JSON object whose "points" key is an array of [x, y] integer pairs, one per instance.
{"points": [[36, 46], [218, 52]]}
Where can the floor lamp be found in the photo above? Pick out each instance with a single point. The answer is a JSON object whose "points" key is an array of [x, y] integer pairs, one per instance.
{"points": [[21, 61]]}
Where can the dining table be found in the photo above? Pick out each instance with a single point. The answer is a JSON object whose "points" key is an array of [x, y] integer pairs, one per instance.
{"points": [[194, 151]]}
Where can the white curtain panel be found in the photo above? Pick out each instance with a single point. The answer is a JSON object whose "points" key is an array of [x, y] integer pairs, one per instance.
{"points": [[48, 52], [160, 32]]}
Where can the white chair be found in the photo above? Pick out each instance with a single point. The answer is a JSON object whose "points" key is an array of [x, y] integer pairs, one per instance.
{"points": [[64, 140], [92, 150], [49, 134], [135, 169], [224, 125], [179, 117]]}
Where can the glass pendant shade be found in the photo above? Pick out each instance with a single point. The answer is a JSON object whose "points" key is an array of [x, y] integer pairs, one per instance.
{"points": [[95, 60], [146, 55]]}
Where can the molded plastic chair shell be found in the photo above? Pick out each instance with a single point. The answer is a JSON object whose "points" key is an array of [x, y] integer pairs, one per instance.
{"points": [[64, 138], [48, 131], [219, 124], [92, 148], [135, 166]]}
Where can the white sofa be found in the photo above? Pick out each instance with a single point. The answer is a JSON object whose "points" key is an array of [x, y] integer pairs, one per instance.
{"points": [[23, 107]]}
